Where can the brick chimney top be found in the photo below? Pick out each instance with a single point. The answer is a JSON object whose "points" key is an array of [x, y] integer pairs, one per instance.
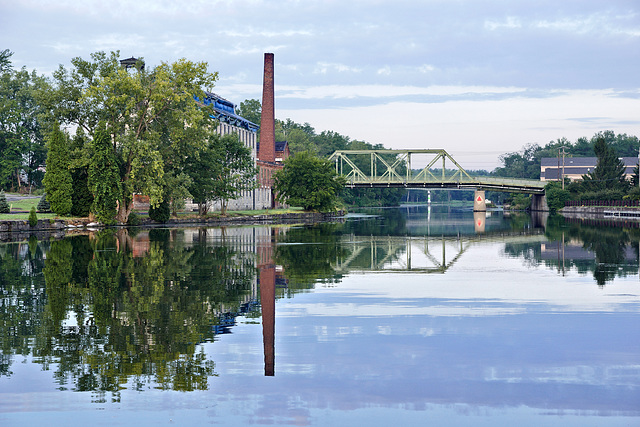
{"points": [[267, 151]]}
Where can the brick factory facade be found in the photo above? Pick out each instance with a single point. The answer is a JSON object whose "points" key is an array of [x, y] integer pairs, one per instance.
{"points": [[268, 156]]}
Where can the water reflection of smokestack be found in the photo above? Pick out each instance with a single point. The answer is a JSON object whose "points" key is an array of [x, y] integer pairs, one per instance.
{"points": [[268, 303]]}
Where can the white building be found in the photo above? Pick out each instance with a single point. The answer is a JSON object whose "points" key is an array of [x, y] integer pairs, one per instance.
{"points": [[231, 123]]}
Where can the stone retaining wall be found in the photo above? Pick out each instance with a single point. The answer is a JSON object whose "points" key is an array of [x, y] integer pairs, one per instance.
{"points": [[598, 212], [21, 230]]}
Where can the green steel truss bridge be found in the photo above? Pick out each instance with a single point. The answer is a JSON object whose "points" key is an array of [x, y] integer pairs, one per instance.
{"points": [[393, 168]]}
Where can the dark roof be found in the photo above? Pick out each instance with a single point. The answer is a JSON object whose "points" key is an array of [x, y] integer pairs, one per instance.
{"points": [[582, 161], [280, 146], [554, 172], [131, 62]]}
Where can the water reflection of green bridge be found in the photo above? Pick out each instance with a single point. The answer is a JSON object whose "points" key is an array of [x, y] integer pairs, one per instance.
{"points": [[436, 254]]}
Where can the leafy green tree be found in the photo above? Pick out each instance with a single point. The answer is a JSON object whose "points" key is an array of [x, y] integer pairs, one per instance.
{"points": [[303, 137], [57, 180], [221, 172], [310, 182], [520, 201], [250, 109], [177, 191], [160, 213], [556, 196], [526, 164], [22, 147], [104, 178], [204, 167], [146, 110], [299, 140], [623, 144], [374, 196], [582, 148], [330, 141], [238, 170], [521, 165]]}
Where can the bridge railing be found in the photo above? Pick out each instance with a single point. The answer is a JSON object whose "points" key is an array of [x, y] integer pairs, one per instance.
{"points": [[393, 168], [604, 203]]}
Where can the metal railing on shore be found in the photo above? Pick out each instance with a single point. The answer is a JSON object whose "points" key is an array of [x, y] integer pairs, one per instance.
{"points": [[603, 203]]}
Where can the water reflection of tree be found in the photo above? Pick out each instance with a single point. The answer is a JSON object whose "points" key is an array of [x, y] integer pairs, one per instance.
{"points": [[389, 222], [609, 245], [307, 254], [22, 296], [531, 253], [107, 318]]}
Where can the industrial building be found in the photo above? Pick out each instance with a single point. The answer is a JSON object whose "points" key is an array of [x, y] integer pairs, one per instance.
{"points": [[553, 168]]}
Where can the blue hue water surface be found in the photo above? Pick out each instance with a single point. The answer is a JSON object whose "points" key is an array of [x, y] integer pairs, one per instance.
{"points": [[395, 317]]}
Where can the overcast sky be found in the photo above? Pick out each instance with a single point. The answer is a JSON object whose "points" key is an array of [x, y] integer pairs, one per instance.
{"points": [[477, 78]]}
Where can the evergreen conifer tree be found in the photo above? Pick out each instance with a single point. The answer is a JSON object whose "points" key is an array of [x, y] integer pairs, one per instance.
{"points": [[33, 218], [43, 205], [609, 173], [104, 178], [82, 197], [4, 205], [57, 179]]}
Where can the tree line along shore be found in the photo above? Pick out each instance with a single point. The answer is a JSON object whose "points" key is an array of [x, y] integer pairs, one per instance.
{"points": [[93, 135]]}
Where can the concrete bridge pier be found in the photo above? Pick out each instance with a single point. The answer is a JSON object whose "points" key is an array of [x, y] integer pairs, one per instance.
{"points": [[479, 203], [539, 203]]}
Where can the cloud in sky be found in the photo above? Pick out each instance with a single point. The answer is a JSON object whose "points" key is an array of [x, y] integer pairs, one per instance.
{"points": [[465, 74]]}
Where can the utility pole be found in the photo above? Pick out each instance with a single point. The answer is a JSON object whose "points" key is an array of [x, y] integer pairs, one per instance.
{"points": [[563, 153], [558, 170]]}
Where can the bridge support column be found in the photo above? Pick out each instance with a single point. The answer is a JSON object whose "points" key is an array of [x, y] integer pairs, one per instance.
{"points": [[479, 203], [539, 203]]}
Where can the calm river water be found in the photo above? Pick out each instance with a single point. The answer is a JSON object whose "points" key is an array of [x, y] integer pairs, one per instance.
{"points": [[404, 317]]}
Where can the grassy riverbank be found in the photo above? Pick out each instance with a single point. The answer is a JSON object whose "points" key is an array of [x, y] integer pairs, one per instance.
{"points": [[20, 207]]}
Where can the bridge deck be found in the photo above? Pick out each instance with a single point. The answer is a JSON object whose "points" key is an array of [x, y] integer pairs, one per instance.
{"points": [[477, 183], [393, 168]]}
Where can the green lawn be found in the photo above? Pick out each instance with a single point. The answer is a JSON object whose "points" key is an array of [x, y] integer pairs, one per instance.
{"points": [[27, 203], [24, 205], [25, 216]]}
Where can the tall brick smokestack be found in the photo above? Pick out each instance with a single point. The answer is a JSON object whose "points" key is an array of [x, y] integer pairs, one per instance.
{"points": [[267, 151]]}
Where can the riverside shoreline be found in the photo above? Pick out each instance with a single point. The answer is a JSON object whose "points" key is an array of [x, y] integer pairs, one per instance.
{"points": [[16, 230], [620, 213]]}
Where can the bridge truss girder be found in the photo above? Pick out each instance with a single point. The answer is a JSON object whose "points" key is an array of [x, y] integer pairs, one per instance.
{"points": [[392, 168], [386, 254]]}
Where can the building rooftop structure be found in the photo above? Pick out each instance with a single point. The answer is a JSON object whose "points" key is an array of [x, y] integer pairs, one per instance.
{"points": [[282, 152], [551, 168], [132, 63], [226, 111]]}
